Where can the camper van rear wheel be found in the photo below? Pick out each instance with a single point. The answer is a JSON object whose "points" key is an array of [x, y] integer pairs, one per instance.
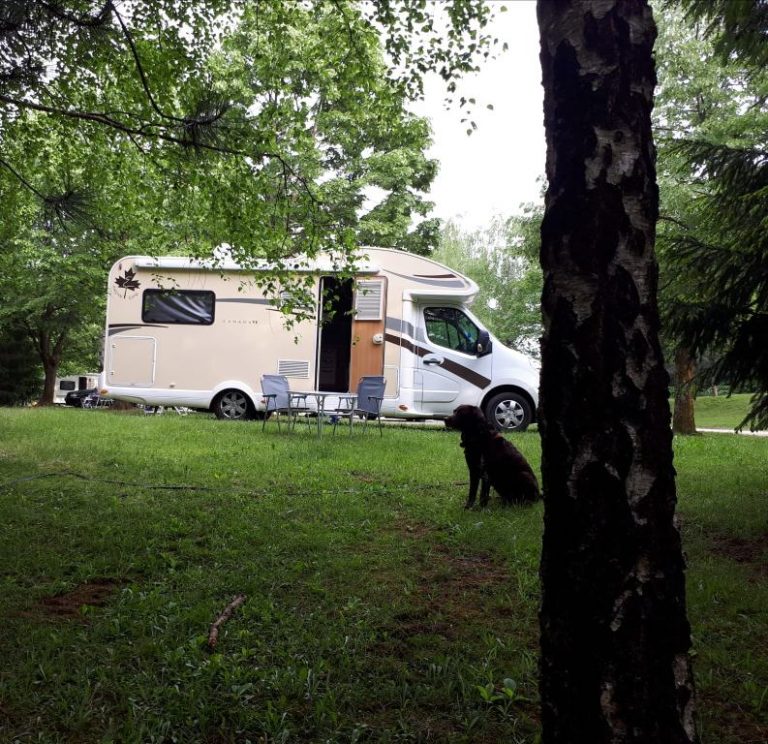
{"points": [[233, 405], [509, 412]]}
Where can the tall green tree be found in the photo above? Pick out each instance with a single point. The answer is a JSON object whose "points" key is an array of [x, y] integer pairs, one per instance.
{"points": [[720, 239], [736, 27], [52, 265], [615, 639], [695, 96], [52, 291], [19, 365], [293, 63]]}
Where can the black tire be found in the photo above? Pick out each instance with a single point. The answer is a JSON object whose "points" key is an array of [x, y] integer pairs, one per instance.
{"points": [[509, 412], [233, 405]]}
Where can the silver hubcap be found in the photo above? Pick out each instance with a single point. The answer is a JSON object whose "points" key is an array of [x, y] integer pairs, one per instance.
{"points": [[234, 405], [509, 414]]}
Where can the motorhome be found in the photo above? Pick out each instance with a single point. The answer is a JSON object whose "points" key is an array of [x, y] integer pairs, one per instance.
{"points": [[183, 332]]}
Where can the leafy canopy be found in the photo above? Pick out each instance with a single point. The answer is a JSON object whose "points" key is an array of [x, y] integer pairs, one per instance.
{"points": [[265, 119]]}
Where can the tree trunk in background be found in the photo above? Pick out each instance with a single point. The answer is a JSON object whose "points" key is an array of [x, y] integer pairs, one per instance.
{"points": [[614, 633], [683, 420], [49, 384], [49, 347]]}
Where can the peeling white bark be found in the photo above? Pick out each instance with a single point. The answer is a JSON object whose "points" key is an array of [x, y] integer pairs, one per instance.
{"points": [[610, 573]]}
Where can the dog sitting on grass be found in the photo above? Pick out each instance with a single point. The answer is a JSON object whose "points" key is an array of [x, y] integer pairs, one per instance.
{"points": [[492, 461]]}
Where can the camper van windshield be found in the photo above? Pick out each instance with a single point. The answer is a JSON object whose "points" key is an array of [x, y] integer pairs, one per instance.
{"points": [[449, 327], [178, 306]]}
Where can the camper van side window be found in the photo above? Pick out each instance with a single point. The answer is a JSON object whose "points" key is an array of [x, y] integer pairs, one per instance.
{"points": [[190, 307], [449, 327]]}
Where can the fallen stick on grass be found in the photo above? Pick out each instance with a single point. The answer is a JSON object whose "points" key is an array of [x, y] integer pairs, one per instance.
{"points": [[213, 634]]}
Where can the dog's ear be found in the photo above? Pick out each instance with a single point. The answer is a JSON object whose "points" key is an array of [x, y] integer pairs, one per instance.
{"points": [[475, 419]]}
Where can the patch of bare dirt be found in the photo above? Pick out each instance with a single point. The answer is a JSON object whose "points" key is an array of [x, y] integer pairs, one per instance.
{"points": [[412, 528], [449, 576], [742, 550], [747, 551], [95, 593], [455, 593], [728, 722], [364, 477]]}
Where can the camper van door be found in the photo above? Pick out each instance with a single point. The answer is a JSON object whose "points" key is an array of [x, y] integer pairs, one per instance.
{"points": [[453, 370]]}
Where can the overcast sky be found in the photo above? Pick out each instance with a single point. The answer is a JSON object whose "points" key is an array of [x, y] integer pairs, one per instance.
{"points": [[499, 166]]}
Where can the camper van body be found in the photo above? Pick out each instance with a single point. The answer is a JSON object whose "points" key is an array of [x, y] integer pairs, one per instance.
{"points": [[71, 383], [182, 333]]}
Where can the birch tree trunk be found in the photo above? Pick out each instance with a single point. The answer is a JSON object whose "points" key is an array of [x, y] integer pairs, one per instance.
{"points": [[614, 632]]}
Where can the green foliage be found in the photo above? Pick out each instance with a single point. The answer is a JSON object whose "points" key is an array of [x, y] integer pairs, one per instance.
{"points": [[736, 26], [19, 365], [377, 608], [730, 248], [260, 123], [316, 75], [422, 36], [52, 264], [714, 187], [503, 261]]}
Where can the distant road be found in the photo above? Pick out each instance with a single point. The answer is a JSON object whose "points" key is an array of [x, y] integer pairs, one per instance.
{"points": [[731, 431]]}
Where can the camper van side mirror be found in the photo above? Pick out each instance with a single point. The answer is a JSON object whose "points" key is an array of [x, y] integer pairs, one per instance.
{"points": [[484, 344]]}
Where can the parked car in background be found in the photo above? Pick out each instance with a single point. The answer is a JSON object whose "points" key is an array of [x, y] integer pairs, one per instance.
{"points": [[76, 397], [74, 383]]}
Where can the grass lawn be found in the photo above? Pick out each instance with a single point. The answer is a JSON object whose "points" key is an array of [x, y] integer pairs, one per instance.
{"points": [[722, 412], [376, 608]]}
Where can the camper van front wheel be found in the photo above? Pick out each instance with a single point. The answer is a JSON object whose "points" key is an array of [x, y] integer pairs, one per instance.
{"points": [[233, 405], [509, 412]]}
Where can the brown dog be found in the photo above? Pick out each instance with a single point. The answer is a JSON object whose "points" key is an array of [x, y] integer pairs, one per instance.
{"points": [[492, 460]]}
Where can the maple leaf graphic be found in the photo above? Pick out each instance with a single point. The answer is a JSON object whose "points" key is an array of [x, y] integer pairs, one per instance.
{"points": [[128, 281]]}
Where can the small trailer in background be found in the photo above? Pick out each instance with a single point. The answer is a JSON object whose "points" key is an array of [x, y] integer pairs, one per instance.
{"points": [[181, 332], [71, 383]]}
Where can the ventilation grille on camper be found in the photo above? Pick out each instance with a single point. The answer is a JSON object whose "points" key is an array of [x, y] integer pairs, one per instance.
{"points": [[368, 299], [293, 368]]}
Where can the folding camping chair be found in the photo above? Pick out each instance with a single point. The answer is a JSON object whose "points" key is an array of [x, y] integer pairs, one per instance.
{"points": [[279, 400], [366, 403]]}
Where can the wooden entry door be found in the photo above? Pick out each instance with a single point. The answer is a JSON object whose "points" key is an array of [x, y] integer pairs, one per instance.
{"points": [[367, 356]]}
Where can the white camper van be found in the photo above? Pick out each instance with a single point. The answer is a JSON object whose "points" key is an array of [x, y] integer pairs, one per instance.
{"points": [[73, 383], [181, 333]]}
